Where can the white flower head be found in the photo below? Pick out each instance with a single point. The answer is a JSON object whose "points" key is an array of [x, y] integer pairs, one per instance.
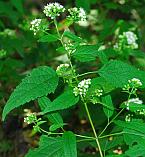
{"points": [[132, 84], [82, 87], [77, 14], [131, 39], [35, 25], [53, 10], [31, 117]]}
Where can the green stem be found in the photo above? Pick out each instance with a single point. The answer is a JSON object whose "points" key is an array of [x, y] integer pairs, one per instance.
{"points": [[111, 122], [115, 116], [113, 134], [93, 128], [74, 75], [87, 73]]}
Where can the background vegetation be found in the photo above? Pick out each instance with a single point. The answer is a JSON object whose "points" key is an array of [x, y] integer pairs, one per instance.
{"points": [[20, 51]]}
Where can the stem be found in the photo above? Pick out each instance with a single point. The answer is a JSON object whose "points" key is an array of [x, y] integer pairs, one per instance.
{"points": [[111, 121], [87, 73], [116, 115], [113, 134], [86, 107], [93, 128], [68, 55]]}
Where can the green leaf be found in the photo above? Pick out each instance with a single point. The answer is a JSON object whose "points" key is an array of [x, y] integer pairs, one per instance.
{"points": [[70, 149], [87, 53], [48, 38], [100, 83], [48, 147], [107, 100], [64, 101], [64, 146], [54, 118], [38, 83], [133, 125], [72, 36], [136, 151], [54, 127], [118, 73]]}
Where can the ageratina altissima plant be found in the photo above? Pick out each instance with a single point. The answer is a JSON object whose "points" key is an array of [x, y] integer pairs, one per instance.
{"points": [[112, 118]]}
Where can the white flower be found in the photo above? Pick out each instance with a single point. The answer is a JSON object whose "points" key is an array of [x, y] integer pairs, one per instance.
{"points": [[128, 117], [53, 10], [69, 47], [82, 87], [131, 39], [35, 25], [134, 101], [77, 14], [31, 117]]}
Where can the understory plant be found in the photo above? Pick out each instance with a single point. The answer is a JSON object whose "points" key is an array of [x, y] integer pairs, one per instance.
{"points": [[123, 130]]}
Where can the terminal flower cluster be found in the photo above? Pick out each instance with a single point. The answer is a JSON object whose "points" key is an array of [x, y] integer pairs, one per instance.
{"points": [[132, 86], [126, 40], [35, 25], [77, 14], [53, 10], [82, 87], [131, 39], [31, 118]]}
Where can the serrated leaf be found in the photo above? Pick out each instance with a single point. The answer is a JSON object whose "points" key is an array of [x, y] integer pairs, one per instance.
{"points": [[87, 53], [48, 38], [118, 73], [107, 100], [64, 146], [136, 151], [100, 83], [38, 83], [54, 118], [70, 149], [64, 101], [133, 125], [48, 147]]}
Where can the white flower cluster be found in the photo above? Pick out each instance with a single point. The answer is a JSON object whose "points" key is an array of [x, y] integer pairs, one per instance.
{"points": [[133, 101], [132, 84], [131, 39], [69, 47], [31, 117], [128, 117], [82, 87], [98, 92], [35, 25], [141, 112], [77, 14], [135, 82], [62, 69], [53, 10]]}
